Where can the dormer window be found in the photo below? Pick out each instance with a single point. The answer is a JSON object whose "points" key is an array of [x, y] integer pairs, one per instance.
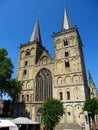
{"points": [[65, 42]]}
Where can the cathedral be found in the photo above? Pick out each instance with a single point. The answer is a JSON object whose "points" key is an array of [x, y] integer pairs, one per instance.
{"points": [[62, 77]]}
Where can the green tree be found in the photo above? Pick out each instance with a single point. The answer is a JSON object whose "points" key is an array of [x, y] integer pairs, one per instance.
{"points": [[91, 106], [7, 85], [6, 110], [15, 89], [52, 111], [6, 70]]}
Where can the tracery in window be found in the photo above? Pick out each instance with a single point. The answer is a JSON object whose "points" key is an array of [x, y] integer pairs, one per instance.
{"points": [[43, 85]]}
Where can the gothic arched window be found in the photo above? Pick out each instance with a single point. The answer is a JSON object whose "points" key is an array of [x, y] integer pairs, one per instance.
{"points": [[43, 85]]}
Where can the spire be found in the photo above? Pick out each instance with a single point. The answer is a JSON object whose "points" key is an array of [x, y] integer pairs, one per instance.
{"points": [[93, 90], [66, 24], [91, 79], [36, 33]]}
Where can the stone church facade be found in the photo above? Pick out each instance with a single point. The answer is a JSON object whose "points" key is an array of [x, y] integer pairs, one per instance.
{"points": [[63, 77]]}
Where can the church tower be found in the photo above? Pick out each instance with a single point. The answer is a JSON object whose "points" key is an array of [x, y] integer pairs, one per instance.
{"points": [[35, 69], [63, 77], [70, 82]]}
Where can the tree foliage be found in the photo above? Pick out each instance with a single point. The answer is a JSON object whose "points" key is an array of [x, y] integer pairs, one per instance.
{"points": [[6, 110], [52, 111], [91, 106], [15, 89], [6, 70], [7, 85]]}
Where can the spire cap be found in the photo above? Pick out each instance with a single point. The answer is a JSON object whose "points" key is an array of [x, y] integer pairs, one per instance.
{"points": [[66, 24], [36, 32]]}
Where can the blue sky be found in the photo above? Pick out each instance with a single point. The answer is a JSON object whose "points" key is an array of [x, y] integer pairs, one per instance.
{"points": [[17, 19]]}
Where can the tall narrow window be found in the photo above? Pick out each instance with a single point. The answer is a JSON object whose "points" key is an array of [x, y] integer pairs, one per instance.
{"points": [[61, 95], [66, 54], [68, 95], [27, 98], [67, 65], [22, 98], [25, 72], [65, 43], [26, 63]]}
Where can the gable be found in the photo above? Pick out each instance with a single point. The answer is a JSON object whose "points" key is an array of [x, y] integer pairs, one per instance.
{"points": [[44, 58]]}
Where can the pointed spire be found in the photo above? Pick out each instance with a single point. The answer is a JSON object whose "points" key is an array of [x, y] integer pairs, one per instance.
{"points": [[66, 24], [93, 90], [91, 79], [36, 33]]}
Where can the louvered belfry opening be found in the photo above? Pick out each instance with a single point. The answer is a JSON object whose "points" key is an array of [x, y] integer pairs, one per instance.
{"points": [[43, 85]]}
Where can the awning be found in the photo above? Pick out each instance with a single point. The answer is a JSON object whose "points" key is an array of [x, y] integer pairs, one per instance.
{"points": [[23, 120], [8, 123]]}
